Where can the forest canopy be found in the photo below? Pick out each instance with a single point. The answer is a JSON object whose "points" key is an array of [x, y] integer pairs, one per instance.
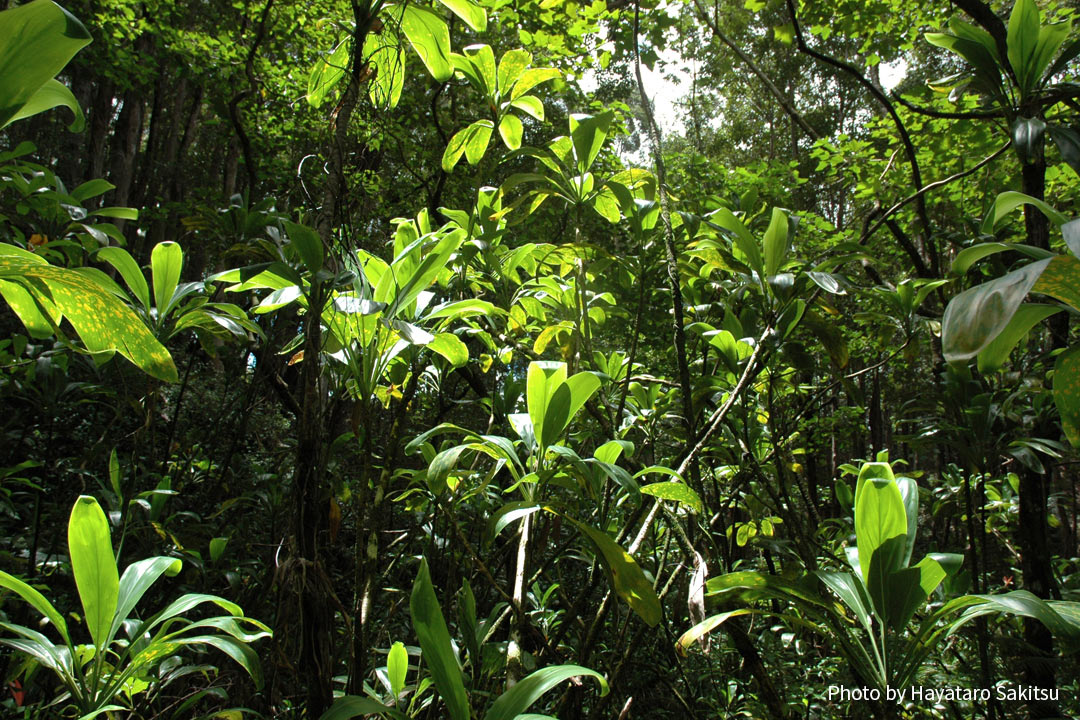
{"points": [[496, 359]]}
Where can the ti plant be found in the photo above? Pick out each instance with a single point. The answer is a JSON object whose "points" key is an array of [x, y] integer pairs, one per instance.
{"points": [[873, 626], [441, 661], [988, 321], [503, 89], [111, 669]]}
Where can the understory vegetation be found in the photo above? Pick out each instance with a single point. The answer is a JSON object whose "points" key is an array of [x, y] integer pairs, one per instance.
{"points": [[495, 359]]}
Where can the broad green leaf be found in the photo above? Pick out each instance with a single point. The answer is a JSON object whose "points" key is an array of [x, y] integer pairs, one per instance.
{"points": [[976, 316], [1023, 604], [136, 580], [119, 213], [397, 667], [907, 590], [450, 347], [515, 701], [477, 139], [510, 130], [852, 591], [530, 105], [52, 94], [1027, 316], [879, 519], [978, 55], [705, 627], [129, 270], [36, 600], [239, 651], [1067, 393], [37, 313], [438, 654], [775, 242], [677, 491], [629, 581], [483, 59], [971, 255], [510, 512], [542, 379], [94, 567], [588, 133], [217, 547], [308, 244], [1008, 201], [166, 262], [511, 65], [1061, 280], [610, 451], [1023, 40], [531, 78], [351, 706], [455, 149], [473, 15], [389, 63], [752, 585], [564, 403], [909, 492], [745, 246], [328, 71], [430, 37], [38, 40]]}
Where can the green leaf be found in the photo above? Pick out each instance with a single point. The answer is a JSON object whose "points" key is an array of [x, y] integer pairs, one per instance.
{"points": [[511, 66], [217, 547], [308, 244], [1067, 393], [455, 149], [705, 627], [473, 15], [511, 131], [852, 591], [515, 701], [564, 403], [776, 242], [430, 38], [397, 667], [627, 578], [1027, 316], [746, 248], [52, 94], [483, 60], [129, 270], [908, 589], [38, 40], [328, 71], [1068, 145], [166, 262], [542, 378], [389, 63], [94, 567], [531, 78], [37, 601], [677, 491], [530, 105], [351, 706], [588, 133], [975, 317], [879, 519], [1023, 40], [1008, 201], [138, 577], [971, 255], [434, 639], [237, 650], [476, 142], [450, 347]]}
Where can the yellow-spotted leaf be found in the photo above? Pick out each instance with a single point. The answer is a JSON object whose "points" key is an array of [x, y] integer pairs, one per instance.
{"points": [[1061, 280], [104, 323]]}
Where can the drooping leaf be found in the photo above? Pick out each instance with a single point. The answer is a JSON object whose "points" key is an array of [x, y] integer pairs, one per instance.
{"points": [[473, 15], [1061, 280], [138, 577], [629, 581], [1027, 316], [438, 654], [36, 600], [50, 95], [94, 567], [351, 706], [976, 316], [515, 701], [430, 37], [102, 321], [1028, 134], [129, 270], [38, 40]]}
